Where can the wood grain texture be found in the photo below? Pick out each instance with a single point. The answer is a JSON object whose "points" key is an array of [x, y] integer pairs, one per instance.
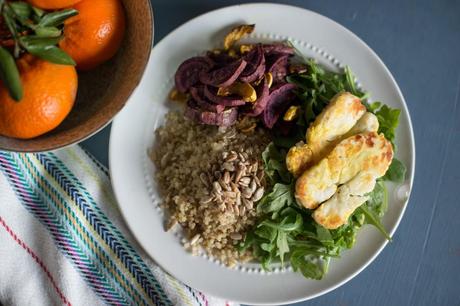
{"points": [[419, 41]]}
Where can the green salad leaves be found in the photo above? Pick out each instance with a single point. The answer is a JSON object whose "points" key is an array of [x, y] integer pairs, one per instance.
{"points": [[285, 230]]}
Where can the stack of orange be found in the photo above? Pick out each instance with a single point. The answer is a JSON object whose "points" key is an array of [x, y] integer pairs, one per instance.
{"points": [[90, 38]]}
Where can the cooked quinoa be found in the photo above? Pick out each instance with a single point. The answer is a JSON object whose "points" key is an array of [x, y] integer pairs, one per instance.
{"points": [[210, 179]]}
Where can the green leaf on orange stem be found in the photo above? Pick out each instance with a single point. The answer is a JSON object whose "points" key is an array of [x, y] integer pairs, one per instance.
{"points": [[48, 32], [52, 54], [55, 19], [9, 74], [21, 9]]}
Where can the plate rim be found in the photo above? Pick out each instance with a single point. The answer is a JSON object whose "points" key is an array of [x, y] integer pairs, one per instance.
{"points": [[410, 178]]}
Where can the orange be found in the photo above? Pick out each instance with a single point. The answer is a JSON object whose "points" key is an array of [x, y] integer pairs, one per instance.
{"points": [[53, 4], [95, 34], [49, 95]]}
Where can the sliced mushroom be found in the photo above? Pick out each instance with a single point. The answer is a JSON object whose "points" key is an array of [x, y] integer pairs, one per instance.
{"points": [[244, 90]]}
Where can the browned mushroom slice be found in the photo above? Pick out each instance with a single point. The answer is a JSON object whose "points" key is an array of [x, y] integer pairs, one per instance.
{"points": [[237, 33]]}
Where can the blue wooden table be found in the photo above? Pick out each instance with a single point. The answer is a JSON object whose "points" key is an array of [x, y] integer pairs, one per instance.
{"points": [[419, 41]]}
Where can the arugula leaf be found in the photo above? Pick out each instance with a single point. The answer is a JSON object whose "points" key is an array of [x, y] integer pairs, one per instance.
{"points": [[282, 195], [388, 121], [288, 224], [378, 199], [275, 164], [396, 172], [310, 266], [282, 245], [373, 219]]}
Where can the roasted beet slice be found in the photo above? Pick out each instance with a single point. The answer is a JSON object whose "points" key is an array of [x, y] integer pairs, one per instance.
{"points": [[187, 75], [278, 102], [225, 76], [262, 98], [225, 118], [277, 64], [278, 48], [211, 94], [199, 98], [256, 65]]}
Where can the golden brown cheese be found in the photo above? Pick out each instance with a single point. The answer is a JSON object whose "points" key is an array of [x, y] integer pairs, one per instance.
{"points": [[337, 118], [366, 152], [340, 117], [336, 211], [298, 158]]}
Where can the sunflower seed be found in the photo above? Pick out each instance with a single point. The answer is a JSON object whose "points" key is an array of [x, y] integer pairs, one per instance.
{"points": [[253, 186], [258, 194], [243, 211], [226, 177], [236, 210], [228, 166], [224, 186], [238, 198], [236, 236], [245, 181], [230, 194], [231, 157], [247, 193], [248, 203], [234, 187], [217, 188], [194, 239], [239, 174], [241, 156]]}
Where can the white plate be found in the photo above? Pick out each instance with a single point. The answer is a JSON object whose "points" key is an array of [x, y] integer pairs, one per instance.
{"points": [[133, 134]]}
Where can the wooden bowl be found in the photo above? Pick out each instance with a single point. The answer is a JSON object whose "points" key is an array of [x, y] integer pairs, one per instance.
{"points": [[103, 91]]}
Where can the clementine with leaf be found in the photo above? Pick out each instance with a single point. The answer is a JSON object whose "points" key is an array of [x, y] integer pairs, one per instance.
{"points": [[49, 95]]}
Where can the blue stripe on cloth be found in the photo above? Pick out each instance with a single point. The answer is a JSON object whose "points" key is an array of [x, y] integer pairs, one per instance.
{"points": [[104, 227], [103, 260], [34, 202]]}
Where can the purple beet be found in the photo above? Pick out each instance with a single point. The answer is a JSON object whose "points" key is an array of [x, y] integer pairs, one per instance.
{"points": [[199, 98], [211, 94], [225, 76], [278, 102], [262, 98], [255, 68], [278, 48], [187, 75], [277, 64]]}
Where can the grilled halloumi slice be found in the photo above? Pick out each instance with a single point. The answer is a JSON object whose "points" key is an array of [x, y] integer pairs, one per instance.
{"points": [[337, 118], [336, 211], [340, 117], [366, 152]]}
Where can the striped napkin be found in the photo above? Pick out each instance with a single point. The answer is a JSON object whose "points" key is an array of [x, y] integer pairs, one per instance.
{"points": [[63, 242]]}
